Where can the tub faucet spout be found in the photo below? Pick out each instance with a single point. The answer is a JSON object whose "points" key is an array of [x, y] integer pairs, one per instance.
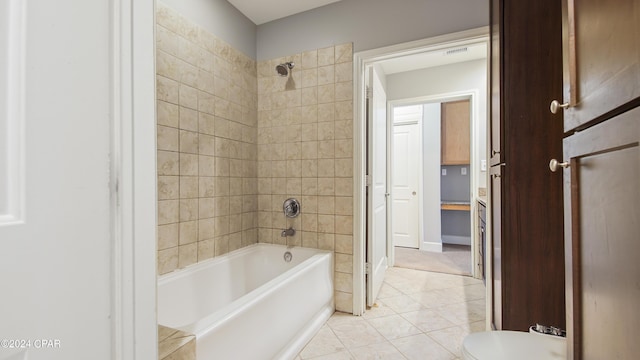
{"points": [[288, 232]]}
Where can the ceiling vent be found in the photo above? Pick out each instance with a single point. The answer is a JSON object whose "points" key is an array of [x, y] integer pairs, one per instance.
{"points": [[455, 51]]}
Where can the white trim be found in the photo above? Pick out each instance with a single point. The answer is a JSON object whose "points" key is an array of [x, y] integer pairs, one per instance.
{"points": [[360, 61], [431, 246], [457, 240], [12, 107], [133, 198]]}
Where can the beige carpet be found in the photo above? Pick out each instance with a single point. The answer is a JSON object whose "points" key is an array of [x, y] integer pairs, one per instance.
{"points": [[454, 259]]}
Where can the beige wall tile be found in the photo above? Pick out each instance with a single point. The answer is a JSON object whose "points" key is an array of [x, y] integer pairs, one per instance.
{"points": [[188, 119], [167, 65], [344, 301], [310, 59], [326, 93], [205, 249], [167, 236], [168, 163], [168, 114], [326, 56], [344, 72], [344, 244], [188, 187], [168, 187], [167, 138], [206, 229], [344, 205], [344, 225], [326, 223], [188, 97], [187, 254], [344, 263], [344, 53], [167, 260], [326, 241], [188, 209], [343, 282], [326, 112], [189, 164], [206, 208], [167, 89], [168, 211], [166, 40], [188, 232], [326, 75], [344, 91]]}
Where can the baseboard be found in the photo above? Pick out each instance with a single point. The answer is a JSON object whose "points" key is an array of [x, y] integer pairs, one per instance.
{"points": [[456, 240], [431, 246]]}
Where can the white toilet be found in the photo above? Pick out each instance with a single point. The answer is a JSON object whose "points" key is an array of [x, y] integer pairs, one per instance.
{"points": [[509, 345]]}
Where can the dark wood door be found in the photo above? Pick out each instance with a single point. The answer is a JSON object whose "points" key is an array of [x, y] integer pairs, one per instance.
{"points": [[601, 59], [602, 235]]}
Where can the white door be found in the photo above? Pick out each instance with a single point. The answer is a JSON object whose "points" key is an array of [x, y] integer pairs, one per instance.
{"points": [[377, 190], [405, 190], [56, 237]]}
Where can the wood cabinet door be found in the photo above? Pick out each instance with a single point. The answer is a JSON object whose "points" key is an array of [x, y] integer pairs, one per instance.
{"points": [[602, 239], [456, 133], [601, 59]]}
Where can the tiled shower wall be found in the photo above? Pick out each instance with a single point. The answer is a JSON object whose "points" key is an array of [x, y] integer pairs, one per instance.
{"points": [[305, 150], [207, 144]]}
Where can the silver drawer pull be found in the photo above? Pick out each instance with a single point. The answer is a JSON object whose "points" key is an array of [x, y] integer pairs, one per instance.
{"points": [[554, 164], [555, 105]]}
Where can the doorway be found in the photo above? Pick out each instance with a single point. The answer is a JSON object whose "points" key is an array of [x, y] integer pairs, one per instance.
{"points": [[430, 183], [378, 58]]}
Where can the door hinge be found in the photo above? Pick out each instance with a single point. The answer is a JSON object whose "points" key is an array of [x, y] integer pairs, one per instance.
{"points": [[368, 92], [367, 180], [367, 268]]}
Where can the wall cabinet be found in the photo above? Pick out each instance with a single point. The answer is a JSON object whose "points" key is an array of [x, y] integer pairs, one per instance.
{"points": [[601, 182], [526, 198], [455, 133]]}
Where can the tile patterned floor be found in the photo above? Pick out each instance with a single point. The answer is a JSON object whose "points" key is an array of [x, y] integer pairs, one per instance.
{"points": [[419, 315]]}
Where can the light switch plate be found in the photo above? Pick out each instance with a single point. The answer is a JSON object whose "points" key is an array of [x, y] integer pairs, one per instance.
{"points": [[444, 172], [463, 171], [483, 165]]}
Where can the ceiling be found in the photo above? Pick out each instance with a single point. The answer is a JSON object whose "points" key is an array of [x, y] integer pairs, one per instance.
{"points": [[263, 11], [434, 58]]}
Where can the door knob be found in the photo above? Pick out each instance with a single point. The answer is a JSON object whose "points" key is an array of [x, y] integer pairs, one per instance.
{"points": [[555, 105], [554, 164], [413, 193]]}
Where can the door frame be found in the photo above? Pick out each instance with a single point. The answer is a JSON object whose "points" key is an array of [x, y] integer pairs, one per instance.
{"points": [[361, 60], [132, 180]]}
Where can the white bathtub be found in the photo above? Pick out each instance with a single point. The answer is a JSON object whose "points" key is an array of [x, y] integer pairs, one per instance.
{"points": [[250, 303]]}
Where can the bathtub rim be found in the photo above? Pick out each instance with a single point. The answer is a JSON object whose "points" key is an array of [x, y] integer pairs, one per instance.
{"points": [[231, 310]]}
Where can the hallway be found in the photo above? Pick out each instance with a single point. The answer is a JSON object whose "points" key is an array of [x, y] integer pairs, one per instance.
{"points": [[419, 315]]}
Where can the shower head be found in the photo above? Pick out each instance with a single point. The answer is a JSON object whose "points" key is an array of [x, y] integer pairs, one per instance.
{"points": [[283, 69]]}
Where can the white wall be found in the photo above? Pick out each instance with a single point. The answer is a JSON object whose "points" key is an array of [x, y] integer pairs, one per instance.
{"points": [[220, 18], [470, 75], [431, 239], [369, 24]]}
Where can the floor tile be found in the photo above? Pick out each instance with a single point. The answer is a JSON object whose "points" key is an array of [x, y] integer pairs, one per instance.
{"points": [[402, 303], [420, 347], [323, 343], [394, 327], [355, 332], [381, 351], [427, 320], [418, 315]]}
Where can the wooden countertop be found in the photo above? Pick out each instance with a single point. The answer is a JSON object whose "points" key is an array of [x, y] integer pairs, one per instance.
{"points": [[455, 205]]}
